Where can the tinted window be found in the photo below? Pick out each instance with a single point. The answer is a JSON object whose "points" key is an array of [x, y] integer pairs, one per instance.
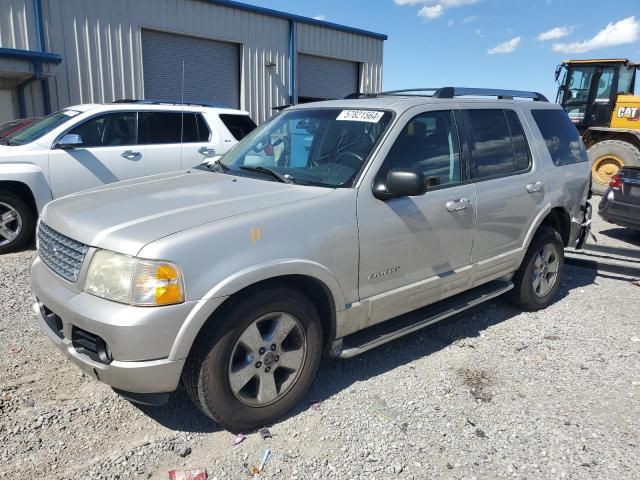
{"points": [[493, 153], [109, 130], [239, 125], [203, 129], [165, 127], [518, 141], [428, 144], [160, 127], [561, 137]]}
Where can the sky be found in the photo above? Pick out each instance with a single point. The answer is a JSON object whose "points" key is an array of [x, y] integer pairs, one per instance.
{"points": [[513, 44]]}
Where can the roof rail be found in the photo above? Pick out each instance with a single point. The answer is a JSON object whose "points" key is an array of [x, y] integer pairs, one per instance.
{"points": [[452, 92], [161, 101]]}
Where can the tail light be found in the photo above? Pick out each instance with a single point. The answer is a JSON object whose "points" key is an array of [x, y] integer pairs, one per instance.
{"points": [[615, 182]]}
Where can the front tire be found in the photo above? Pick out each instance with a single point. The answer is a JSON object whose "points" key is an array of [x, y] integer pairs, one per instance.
{"points": [[255, 360], [17, 222], [538, 278]]}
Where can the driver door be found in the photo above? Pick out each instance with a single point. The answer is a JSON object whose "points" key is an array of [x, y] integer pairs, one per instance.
{"points": [[109, 153], [417, 250]]}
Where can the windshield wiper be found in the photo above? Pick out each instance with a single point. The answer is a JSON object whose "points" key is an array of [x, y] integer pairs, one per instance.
{"points": [[266, 171]]}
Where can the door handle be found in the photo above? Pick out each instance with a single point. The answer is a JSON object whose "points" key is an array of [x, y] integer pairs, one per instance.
{"points": [[207, 151], [131, 155], [535, 187], [458, 205]]}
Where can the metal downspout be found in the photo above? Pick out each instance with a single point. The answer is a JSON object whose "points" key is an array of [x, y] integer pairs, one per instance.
{"points": [[293, 61], [37, 8]]}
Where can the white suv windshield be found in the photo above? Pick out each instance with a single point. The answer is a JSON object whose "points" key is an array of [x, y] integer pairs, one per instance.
{"points": [[41, 127], [324, 147]]}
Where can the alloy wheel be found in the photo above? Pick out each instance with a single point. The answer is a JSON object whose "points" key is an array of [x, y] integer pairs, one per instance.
{"points": [[10, 224], [267, 359], [545, 270]]}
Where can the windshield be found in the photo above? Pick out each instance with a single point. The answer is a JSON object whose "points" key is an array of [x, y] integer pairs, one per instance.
{"points": [[40, 127], [323, 147]]}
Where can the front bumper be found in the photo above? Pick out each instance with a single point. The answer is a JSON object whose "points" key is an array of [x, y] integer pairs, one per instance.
{"points": [[139, 339]]}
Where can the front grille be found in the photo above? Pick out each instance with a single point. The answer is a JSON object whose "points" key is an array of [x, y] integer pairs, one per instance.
{"points": [[90, 345], [61, 254]]}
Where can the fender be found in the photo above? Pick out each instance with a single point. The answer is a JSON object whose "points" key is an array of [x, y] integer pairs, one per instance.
{"points": [[535, 225], [31, 176], [215, 297]]}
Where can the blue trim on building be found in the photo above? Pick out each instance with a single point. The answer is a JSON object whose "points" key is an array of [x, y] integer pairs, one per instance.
{"points": [[31, 55], [46, 93], [296, 18]]}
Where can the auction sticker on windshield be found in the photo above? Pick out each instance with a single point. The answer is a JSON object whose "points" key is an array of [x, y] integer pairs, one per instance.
{"points": [[370, 116]]}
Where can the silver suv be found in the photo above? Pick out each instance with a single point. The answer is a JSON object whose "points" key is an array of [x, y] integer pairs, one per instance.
{"points": [[89, 145], [335, 227]]}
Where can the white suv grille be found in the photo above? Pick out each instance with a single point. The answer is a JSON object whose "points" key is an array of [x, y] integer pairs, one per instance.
{"points": [[61, 254]]}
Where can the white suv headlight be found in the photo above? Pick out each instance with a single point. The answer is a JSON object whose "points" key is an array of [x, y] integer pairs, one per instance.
{"points": [[134, 281]]}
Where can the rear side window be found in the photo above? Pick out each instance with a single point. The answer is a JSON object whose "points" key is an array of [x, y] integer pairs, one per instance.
{"points": [[195, 129], [159, 128], [239, 125], [562, 139], [500, 145]]}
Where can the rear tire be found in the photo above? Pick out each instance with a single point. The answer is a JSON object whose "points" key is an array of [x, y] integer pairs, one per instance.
{"points": [[530, 290], [17, 222], [607, 157], [222, 353]]}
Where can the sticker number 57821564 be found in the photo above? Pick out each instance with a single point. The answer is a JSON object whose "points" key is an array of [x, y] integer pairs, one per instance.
{"points": [[370, 116]]}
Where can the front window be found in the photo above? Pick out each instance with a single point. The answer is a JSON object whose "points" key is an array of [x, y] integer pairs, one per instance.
{"points": [[577, 93], [40, 127], [323, 147]]}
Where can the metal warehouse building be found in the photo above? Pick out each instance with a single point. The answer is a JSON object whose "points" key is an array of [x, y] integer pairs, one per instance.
{"points": [[55, 53]]}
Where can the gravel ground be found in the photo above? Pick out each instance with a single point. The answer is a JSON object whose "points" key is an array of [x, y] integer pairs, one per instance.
{"points": [[490, 393]]}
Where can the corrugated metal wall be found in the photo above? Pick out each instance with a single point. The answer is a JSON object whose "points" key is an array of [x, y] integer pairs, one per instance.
{"points": [[100, 43]]}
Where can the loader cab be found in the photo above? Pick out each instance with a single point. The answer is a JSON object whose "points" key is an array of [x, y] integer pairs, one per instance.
{"points": [[589, 89]]}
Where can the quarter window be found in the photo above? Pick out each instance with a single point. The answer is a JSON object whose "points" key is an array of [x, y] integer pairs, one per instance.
{"points": [[561, 137], [239, 125], [428, 144], [109, 130], [500, 146]]}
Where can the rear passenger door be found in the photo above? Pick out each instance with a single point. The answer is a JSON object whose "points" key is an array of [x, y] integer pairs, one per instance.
{"points": [[160, 133], [199, 143], [510, 187]]}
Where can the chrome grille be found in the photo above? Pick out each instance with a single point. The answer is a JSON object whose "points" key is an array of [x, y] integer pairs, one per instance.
{"points": [[61, 254]]}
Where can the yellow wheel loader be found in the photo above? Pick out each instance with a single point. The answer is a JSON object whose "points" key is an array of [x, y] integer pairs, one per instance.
{"points": [[599, 97]]}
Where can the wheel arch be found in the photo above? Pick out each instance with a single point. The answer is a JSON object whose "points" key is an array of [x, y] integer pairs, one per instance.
{"points": [[21, 190], [322, 290], [557, 218], [599, 134]]}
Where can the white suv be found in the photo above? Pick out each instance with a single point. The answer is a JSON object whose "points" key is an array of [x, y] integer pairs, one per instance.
{"points": [[86, 146]]}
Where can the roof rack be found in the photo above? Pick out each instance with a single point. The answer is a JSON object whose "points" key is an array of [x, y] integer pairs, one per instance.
{"points": [[452, 92], [162, 101]]}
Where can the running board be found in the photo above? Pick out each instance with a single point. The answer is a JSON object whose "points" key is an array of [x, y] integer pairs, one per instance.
{"points": [[397, 327]]}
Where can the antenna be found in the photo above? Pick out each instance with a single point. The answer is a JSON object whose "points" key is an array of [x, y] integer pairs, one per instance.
{"points": [[182, 118]]}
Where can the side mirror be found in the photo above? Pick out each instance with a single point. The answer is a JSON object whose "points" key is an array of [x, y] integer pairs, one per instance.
{"points": [[401, 183], [70, 140]]}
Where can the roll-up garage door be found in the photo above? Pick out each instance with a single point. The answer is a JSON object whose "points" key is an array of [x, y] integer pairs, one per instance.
{"points": [[322, 78], [211, 68]]}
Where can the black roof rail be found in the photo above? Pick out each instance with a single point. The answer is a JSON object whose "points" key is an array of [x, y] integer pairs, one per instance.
{"points": [[452, 92], [162, 101]]}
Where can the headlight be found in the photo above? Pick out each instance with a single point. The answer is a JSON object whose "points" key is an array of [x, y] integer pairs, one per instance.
{"points": [[134, 281]]}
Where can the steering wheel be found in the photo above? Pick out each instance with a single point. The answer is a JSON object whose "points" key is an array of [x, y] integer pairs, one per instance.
{"points": [[349, 159], [258, 148]]}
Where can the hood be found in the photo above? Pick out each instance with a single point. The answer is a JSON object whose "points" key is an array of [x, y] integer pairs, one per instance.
{"points": [[124, 217], [4, 149]]}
